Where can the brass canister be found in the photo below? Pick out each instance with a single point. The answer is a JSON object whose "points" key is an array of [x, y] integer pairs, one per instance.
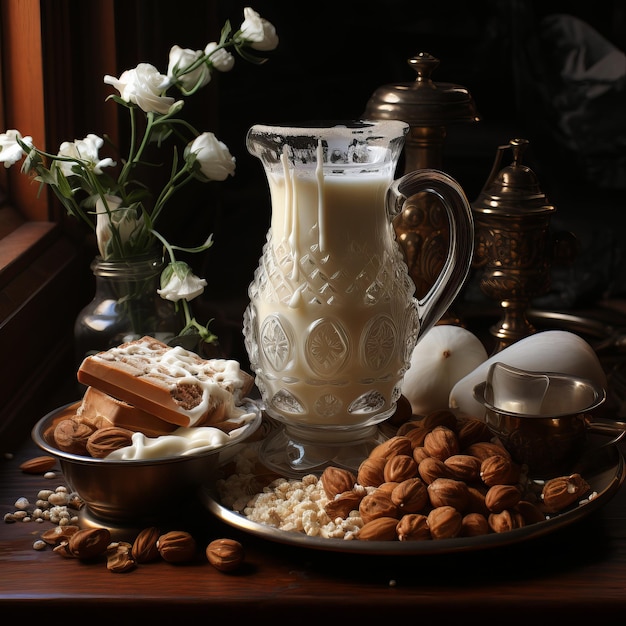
{"points": [[514, 245], [428, 107]]}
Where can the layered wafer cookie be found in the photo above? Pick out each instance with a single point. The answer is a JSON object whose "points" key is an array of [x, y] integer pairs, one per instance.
{"points": [[171, 383], [97, 405]]}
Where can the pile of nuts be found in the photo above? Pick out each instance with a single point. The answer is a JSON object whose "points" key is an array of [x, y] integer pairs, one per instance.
{"points": [[66, 538], [439, 477], [175, 546]]}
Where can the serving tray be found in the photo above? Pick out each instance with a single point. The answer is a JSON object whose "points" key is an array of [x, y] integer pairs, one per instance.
{"points": [[602, 466]]}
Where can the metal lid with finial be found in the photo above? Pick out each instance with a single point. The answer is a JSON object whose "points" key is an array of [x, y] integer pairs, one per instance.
{"points": [[422, 102], [514, 189]]}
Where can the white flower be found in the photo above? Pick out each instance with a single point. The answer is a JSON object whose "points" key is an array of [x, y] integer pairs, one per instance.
{"points": [[222, 60], [84, 150], [260, 33], [213, 156], [122, 219], [181, 58], [143, 86], [178, 282], [11, 151]]}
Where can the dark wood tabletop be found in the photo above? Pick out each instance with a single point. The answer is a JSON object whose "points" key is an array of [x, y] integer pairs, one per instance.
{"points": [[576, 574]]}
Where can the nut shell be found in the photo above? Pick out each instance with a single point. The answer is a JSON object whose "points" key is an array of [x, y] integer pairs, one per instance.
{"points": [[336, 480], [104, 440], [501, 497], [410, 496], [448, 492], [445, 522], [225, 555], [379, 529], [377, 504], [413, 527], [144, 547], [89, 543], [399, 467], [441, 442], [177, 546]]}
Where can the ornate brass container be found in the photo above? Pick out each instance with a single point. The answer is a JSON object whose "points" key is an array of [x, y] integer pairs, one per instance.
{"points": [[514, 245], [428, 107]]}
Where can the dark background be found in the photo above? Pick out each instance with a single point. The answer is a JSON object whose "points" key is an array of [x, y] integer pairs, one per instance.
{"points": [[332, 56]]}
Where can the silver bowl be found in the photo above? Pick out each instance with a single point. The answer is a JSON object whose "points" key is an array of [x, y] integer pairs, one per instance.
{"points": [[137, 493]]}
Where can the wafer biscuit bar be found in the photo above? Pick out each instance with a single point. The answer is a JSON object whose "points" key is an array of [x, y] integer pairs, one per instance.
{"points": [[171, 383]]}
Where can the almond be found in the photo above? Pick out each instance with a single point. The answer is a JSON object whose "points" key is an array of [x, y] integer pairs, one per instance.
{"points": [[445, 522], [501, 497], [410, 496], [472, 431], [499, 470], [336, 480], [558, 493], [448, 492], [474, 525], [463, 467], [144, 547], [431, 468], [531, 513], [379, 529], [176, 546], [441, 442], [399, 467], [377, 504], [504, 521], [371, 472], [38, 465], [443, 417], [485, 449], [413, 527], [342, 504], [393, 446]]}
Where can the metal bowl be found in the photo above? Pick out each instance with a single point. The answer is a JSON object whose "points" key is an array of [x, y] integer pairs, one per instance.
{"points": [[136, 493], [542, 418]]}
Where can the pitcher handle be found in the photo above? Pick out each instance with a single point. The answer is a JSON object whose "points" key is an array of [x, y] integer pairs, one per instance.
{"points": [[461, 247]]}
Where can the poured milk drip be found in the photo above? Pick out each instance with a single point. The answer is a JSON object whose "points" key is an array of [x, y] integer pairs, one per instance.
{"points": [[331, 302]]}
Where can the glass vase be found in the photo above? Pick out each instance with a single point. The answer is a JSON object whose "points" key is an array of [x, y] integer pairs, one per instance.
{"points": [[126, 306]]}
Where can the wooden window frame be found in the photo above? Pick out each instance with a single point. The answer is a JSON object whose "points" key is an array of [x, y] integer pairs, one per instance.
{"points": [[44, 275]]}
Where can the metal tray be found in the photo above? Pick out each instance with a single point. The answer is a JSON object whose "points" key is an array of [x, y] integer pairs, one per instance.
{"points": [[602, 466]]}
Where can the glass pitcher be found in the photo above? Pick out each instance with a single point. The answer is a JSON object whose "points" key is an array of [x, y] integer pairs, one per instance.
{"points": [[332, 319]]}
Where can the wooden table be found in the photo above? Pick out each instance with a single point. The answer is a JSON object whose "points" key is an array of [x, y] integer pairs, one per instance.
{"points": [[576, 574]]}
